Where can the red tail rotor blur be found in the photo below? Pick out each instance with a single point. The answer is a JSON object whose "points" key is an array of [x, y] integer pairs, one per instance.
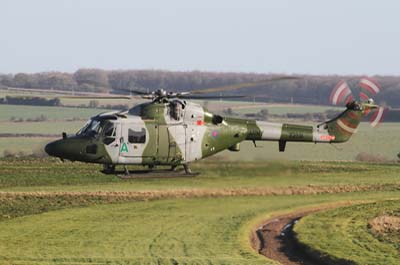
{"points": [[378, 116], [369, 87], [341, 94]]}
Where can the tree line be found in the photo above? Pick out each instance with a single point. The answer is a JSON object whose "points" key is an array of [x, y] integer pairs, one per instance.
{"points": [[33, 101], [307, 89]]}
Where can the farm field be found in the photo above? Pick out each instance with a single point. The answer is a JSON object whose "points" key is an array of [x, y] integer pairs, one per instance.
{"points": [[49, 127], [64, 101], [23, 145], [52, 113], [346, 233], [58, 213]]}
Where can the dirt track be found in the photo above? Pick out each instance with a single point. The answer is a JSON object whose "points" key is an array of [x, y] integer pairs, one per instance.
{"points": [[275, 240]]}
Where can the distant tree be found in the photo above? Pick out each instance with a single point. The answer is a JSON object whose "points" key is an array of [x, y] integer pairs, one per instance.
{"points": [[92, 79], [23, 80], [56, 80]]}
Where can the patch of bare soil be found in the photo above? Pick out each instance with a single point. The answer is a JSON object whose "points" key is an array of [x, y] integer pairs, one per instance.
{"points": [[385, 224], [275, 239]]}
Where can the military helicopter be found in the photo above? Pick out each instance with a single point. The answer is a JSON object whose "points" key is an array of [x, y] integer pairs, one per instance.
{"points": [[170, 130]]}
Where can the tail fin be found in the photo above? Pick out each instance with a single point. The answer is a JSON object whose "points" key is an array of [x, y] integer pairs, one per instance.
{"points": [[341, 128]]}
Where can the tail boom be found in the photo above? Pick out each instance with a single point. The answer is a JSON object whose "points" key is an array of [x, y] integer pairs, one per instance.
{"points": [[337, 130]]}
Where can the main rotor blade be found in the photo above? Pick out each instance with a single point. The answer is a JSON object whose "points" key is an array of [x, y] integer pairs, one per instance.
{"points": [[97, 97], [242, 85], [210, 97], [137, 92]]}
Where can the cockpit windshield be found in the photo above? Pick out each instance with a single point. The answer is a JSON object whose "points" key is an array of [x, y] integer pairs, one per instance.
{"points": [[91, 128], [103, 128]]}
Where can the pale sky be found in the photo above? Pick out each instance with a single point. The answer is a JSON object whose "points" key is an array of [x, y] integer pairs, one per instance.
{"points": [[282, 36]]}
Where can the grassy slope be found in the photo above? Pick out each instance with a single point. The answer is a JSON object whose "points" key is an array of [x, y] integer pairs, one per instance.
{"points": [[190, 231], [343, 234], [209, 230]]}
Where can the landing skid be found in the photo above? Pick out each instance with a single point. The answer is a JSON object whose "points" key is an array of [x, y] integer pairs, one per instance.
{"points": [[151, 172], [159, 173]]}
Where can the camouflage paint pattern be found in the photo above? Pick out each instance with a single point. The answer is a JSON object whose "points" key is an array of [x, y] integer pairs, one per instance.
{"points": [[177, 132]]}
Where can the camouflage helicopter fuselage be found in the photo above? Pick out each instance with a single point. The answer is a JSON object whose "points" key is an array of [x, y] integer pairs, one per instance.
{"points": [[178, 132]]}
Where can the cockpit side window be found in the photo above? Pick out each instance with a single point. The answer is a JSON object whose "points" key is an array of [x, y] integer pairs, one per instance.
{"points": [[137, 137], [109, 131]]}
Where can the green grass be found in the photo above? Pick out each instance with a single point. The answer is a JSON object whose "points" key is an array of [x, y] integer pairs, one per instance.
{"points": [[52, 113], [53, 228], [44, 226], [52, 175], [46, 127], [343, 234], [280, 109], [22, 144], [190, 231]]}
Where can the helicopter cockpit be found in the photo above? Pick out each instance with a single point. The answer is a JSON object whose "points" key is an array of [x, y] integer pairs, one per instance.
{"points": [[95, 127]]}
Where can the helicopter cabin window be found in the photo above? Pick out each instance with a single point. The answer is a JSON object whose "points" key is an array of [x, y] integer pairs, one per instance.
{"points": [[176, 110], [137, 137]]}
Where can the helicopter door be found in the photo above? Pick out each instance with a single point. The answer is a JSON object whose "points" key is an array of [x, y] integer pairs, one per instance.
{"points": [[177, 148], [134, 137], [194, 136]]}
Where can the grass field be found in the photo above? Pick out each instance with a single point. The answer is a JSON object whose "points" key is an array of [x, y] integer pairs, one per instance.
{"points": [[25, 145], [52, 113], [344, 234], [70, 213], [49, 127], [191, 231], [53, 175], [280, 109], [61, 213]]}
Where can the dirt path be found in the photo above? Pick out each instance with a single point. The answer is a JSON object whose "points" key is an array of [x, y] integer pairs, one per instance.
{"points": [[275, 240]]}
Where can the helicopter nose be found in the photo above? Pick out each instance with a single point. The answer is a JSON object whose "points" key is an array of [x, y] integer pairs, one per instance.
{"points": [[51, 148]]}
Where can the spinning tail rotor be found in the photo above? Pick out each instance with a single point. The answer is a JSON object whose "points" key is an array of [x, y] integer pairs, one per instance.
{"points": [[369, 87]]}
